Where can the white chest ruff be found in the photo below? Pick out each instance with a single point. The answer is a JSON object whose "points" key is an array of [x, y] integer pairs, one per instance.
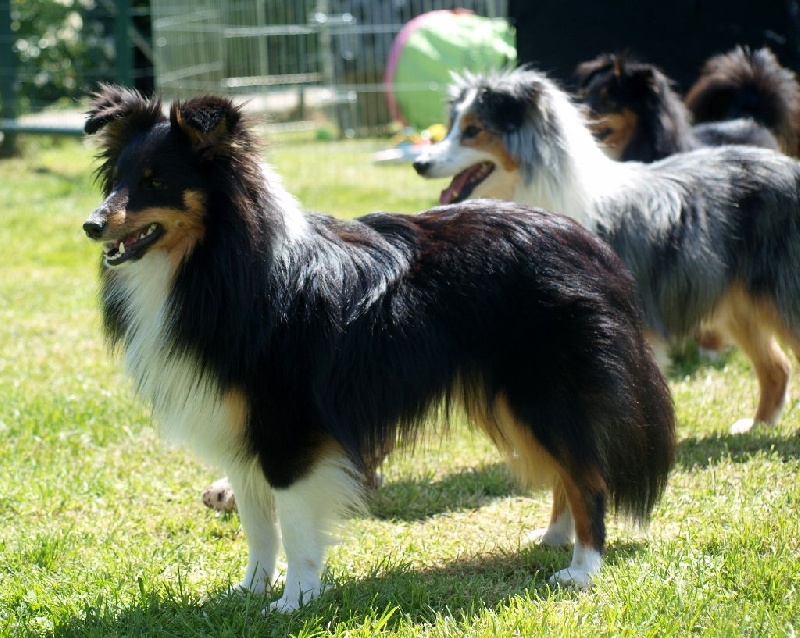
{"points": [[188, 407]]}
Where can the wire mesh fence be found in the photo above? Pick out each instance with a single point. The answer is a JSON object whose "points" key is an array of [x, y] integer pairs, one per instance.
{"points": [[55, 53], [298, 61], [315, 68]]}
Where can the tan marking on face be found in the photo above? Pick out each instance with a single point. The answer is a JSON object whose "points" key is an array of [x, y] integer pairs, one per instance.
{"points": [[184, 229], [621, 126], [488, 142]]}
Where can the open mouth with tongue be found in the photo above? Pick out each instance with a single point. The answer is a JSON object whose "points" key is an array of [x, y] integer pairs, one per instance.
{"points": [[133, 246], [465, 182]]}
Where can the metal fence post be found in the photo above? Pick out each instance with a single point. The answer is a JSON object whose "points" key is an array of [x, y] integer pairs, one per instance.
{"points": [[8, 78], [124, 48]]}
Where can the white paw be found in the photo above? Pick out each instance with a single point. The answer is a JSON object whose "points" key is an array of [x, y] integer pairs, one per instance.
{"points": [[586, 562], [572, 577], [219, 496], [292, 600], [246, 587], [283, 605], [742, 426], [550, 536], [258, 583], [257, 588]]}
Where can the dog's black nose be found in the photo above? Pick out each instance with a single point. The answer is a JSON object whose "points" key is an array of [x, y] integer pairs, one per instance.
{"points": [[421, 166], [94, 227]]}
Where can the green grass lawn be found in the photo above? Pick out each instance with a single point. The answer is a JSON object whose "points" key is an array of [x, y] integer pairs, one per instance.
{"points": [[103, 533]]}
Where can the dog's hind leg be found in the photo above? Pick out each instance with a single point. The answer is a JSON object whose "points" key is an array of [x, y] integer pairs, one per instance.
{"points": [[561, 529], [752, 326], [579, 501], [587, 504], [256, 504], [308, 510]]}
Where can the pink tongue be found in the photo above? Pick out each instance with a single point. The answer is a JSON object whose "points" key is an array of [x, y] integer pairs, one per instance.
{"points": [[131, 239], [458, 183]]}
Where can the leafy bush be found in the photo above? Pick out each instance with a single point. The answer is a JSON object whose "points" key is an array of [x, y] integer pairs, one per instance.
{"points": [[62, 48]]}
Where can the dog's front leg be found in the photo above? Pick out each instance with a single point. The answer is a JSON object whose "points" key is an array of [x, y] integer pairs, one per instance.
{"points": [[304, 546], [255, 500], [308, 510]]}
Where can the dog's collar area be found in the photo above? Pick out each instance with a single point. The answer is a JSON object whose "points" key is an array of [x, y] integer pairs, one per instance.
{"points": [[133, 246], [465, 182]]}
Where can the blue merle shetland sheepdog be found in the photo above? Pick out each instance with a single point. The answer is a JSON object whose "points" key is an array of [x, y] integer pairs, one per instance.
{"points": [[289, 347], [711, 236]]}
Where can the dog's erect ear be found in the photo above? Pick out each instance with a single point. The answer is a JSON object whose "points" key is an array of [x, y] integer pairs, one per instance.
{"points": [[509, 106], [585, 72], [643, 79], [118, 112], [209, 123], [119, 108]]}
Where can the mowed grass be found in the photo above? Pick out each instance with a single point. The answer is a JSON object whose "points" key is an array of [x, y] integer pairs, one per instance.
{"points": [[103, 533]]}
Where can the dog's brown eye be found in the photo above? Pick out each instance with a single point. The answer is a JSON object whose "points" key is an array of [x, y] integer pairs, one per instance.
{"points": [[470, 132]]}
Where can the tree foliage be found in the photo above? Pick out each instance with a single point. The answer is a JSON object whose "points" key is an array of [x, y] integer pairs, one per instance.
{"points": [[61, 49]]}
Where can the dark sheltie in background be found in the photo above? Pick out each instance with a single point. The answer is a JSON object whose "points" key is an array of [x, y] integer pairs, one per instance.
{"points": [[711, 236], [751, 84], [747, 96], [638, 116], [289, 348]]}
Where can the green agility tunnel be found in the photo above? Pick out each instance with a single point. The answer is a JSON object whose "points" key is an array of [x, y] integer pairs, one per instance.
{"points": [[433, 46]]}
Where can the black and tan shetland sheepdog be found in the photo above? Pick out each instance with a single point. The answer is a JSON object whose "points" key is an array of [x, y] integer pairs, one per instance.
{"points": [[289, 347], [638, 116]]}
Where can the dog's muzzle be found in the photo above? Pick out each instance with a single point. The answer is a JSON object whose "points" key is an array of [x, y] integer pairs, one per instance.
{"points": [[422, 167], [95, 226]]}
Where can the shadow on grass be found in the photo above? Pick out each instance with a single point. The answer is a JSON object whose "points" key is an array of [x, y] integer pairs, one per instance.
{"points": [[395, 593], [738, 448], [418, 498], [391, 595], [414, 499], [75, 180]]}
